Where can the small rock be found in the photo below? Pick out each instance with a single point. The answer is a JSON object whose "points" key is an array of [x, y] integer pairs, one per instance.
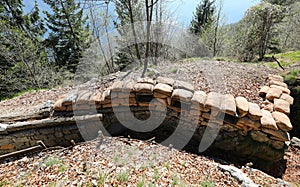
{"points": [[280, 135], [84, 97], [146, 80], [259, 136], [284, 90], [267, 120], [70, 99], [287, 98], [58, 106], [165, 80], [274, 93], [242, 106], [275, 77], [199, 99], [254, 111], [238, 175], [163, 89], [183, 85], [183, 95], [214, 100], [128, 85], [143, 88], [295, 142], [281, 106], [278, 83], [248, 122], [117, 86], [282, 121]]}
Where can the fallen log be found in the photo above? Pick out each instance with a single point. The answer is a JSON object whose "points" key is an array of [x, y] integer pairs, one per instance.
{"points": [[33, 149]]}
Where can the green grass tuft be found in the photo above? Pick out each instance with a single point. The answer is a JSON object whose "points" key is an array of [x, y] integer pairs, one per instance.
{"points": [[285, 59]]}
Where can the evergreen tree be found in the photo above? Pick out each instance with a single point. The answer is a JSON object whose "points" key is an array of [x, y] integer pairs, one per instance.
{"points": [[281, 2], [22, 57], [69, 34], [257, 32], [203, 17]]}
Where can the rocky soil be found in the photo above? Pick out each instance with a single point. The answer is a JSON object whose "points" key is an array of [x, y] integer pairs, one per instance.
{"points": [[135, 163]]}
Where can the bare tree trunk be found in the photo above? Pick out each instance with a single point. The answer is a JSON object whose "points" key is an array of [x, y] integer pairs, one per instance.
{"points": [[216, 30], [107, 37], [95, 30], [138, 54], [157, 33], [149, 14]]}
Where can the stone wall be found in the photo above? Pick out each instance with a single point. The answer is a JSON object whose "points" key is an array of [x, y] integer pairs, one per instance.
{"points": [[245, 129], [294, 86], [53, 132]]}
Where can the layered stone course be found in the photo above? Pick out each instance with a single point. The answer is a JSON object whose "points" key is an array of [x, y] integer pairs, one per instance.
{"points": [[268, 124], [246, 129]]}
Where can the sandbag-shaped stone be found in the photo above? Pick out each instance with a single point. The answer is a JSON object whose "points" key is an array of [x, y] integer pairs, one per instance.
{"points": [[228, 105], [278, 83], [183, 85], [259, 136], [128, 85], [280, 135], [274, 93], [70, 99], [83, 107], [182, 95], [162, 89], [146, 80], [254, 111], [284, 90], [242, 106], [165, 80], [143, 88], [84, 97], [275, 77], [248, 122], [117, 86], [267, 105], [213, 100], [287, 98], [267, 121], [198, 100], [96, 97], [282, 121], [281, 106], [58, 106]]}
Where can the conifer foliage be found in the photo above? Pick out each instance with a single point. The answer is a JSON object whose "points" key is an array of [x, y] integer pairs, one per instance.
{"points": [[69, 33], [203, 17]]}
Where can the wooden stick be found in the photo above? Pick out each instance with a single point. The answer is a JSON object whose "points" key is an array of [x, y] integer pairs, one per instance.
{"points": [[278, 62]]}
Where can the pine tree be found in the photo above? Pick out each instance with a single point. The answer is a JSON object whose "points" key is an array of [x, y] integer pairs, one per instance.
{"points": [[69, 33], [203, 17], [21, 55]]}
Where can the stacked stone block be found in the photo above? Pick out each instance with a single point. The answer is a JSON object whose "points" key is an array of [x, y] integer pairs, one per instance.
{"points": [[248, 129], [268, 124]]}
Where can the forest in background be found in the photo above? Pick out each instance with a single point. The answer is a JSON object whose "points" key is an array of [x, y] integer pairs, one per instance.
{"points": [[44, 48]]}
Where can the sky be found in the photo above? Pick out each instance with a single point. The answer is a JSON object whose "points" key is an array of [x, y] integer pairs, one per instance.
{"points": [[233, 10]]}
